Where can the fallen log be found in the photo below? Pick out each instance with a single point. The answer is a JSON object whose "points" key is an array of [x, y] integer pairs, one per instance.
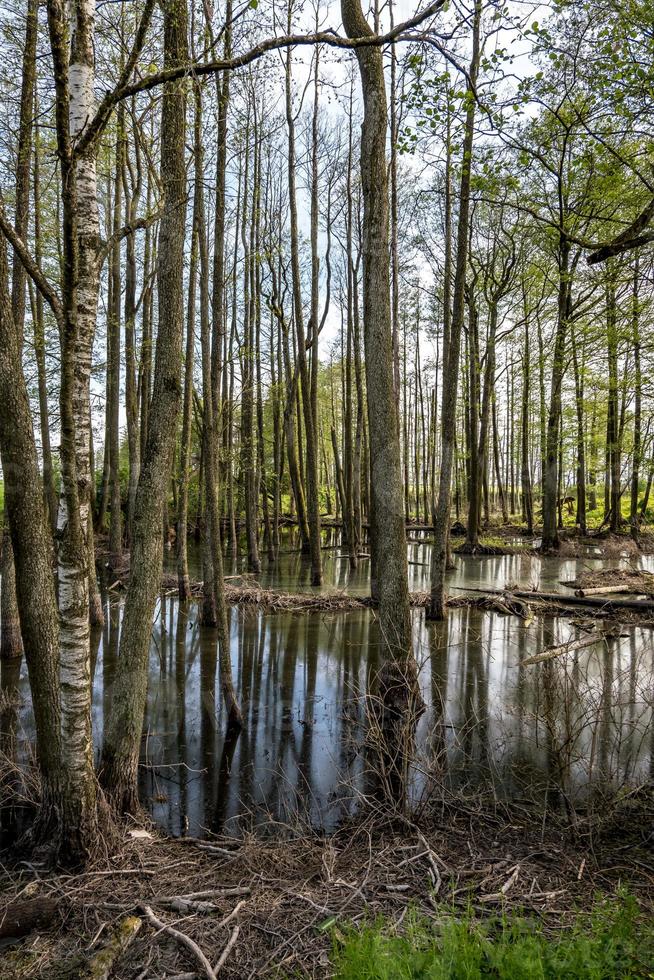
{"points": [[562, 648], [22, 916], [101, 964], [605, 590], [335, 602]]}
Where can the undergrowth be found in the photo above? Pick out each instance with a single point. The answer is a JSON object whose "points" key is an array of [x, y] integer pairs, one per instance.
{"points": [[611, 941]]}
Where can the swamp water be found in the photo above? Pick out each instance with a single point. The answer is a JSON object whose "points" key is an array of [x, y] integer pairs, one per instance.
{"points": [[560, 731]]}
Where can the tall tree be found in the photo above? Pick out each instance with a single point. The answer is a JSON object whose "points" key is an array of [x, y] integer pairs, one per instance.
{"points": [[123, 734], [451, 350]]}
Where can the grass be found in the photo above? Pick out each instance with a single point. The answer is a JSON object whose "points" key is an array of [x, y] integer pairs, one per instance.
{"points": [[610, 942]]}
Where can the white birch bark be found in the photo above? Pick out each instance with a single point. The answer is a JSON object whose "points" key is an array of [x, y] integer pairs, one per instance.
{"points": [[75, 568]]}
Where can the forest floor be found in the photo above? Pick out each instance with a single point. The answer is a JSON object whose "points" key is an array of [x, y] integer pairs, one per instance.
{"points": [[283, 904]]}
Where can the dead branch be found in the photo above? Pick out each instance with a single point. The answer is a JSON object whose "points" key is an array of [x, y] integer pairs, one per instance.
{"points": [[563, 648], [183, 939]]}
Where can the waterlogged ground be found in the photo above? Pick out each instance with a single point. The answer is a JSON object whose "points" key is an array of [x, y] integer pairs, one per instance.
{"points": [[557, 733]]}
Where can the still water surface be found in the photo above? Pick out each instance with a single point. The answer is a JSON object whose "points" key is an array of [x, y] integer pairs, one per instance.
{"points": [[554, 733]]}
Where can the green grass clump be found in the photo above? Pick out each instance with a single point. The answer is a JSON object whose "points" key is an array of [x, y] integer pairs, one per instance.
{"points": [[610, 942]]}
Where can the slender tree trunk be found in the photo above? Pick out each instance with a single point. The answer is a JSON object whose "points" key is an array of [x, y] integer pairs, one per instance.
{"points": [[35, 583], [550, 541], [388, 539], [183, 581], [10, 638], [593, 449], [525, 472], [306, 383], [581, 442], [248, 456], [123, 733], [613, 437], [113, 352], [638, 395], [39, 349], [474, 438], [498, 470], [132, 197], [451, 353]]}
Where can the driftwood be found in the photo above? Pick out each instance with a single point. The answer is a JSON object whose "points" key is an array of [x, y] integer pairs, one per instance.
{"points": [[562, 648], [24, 915]]}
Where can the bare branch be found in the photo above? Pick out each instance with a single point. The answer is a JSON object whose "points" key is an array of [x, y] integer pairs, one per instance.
{"points": [[46, 289], [329, 38], [128, 229], [630, 238]]}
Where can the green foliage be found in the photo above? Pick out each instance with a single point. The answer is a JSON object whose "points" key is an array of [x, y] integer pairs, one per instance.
{"points": [[610, 942]]}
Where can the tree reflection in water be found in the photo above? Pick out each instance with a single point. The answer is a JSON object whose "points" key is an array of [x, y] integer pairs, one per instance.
{"points": [[559, 733]]}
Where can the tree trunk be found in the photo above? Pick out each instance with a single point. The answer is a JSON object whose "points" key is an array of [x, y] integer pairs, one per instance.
{"points": [[123, 734], [132, 198], [113, 355], [307, 385], [550, 541], [525, 472], [388, 538], [183, 581], [451, 352], [612, 429], [35, 583], [638, 383], [75, 557], [10, 638], [581, 443], [39, 349]]}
